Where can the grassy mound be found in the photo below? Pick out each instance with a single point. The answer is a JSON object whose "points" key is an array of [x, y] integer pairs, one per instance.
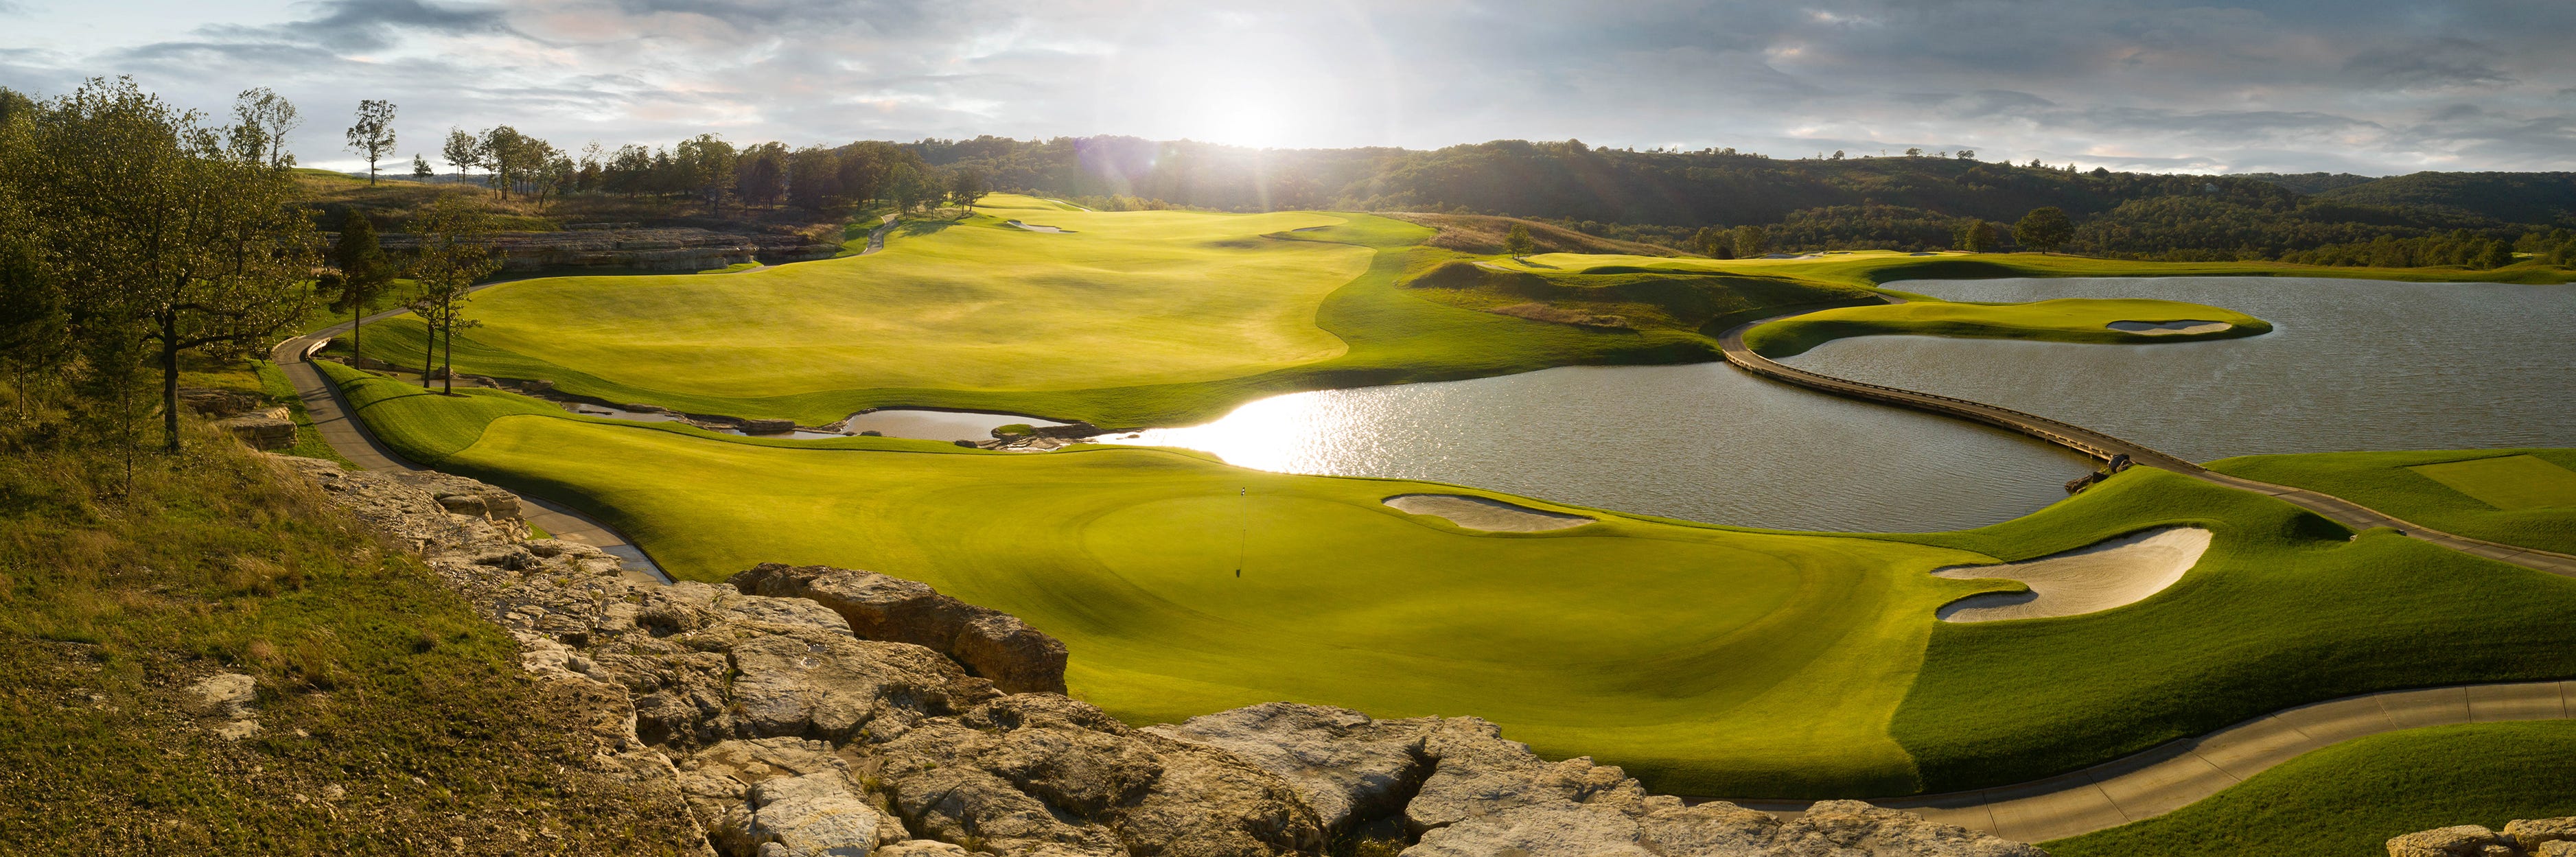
{"points": [[391, 717], [1629, 299], [2516, 499], [2061, 320], [1708, 660], [2349, 799]]}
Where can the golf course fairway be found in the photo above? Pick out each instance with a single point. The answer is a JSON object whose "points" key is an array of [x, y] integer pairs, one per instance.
{"points": [[1707, 660]]}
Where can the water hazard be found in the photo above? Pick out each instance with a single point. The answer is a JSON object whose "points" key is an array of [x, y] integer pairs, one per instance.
{"points": [[2351, 364]]}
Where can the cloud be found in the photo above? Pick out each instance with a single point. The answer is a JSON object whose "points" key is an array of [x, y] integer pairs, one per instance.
{"points": [[2149, 84], [2429, 63]]}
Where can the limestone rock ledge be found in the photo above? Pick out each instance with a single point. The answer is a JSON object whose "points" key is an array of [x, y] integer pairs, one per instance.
{"points": [[790, 735]]}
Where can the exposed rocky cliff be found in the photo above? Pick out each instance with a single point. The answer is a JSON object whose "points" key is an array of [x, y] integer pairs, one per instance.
{"points": [[655, 249], [789, 735]]}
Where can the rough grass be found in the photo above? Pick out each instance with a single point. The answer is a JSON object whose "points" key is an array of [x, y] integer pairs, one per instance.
{"points": [[1872, 267], [2060, 320], [1673, 302], [2282, 610], [2349, 799], [372, 679], [2389, 482]]}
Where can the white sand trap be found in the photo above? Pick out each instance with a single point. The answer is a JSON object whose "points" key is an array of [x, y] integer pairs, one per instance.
{"points": [[2169, 328], [1032, 227], [1478, 513], [2097, 577]]}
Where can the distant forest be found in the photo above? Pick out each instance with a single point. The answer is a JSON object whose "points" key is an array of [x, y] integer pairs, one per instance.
{"points": [[1908, 202]]}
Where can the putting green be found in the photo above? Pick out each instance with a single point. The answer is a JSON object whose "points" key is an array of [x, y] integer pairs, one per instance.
{"points": [[2060, 320], [2511, 483], [2521, 497], [1707, 660]]}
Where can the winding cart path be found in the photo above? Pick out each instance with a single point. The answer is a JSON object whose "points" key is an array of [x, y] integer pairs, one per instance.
{"points": [[2169, 777]]}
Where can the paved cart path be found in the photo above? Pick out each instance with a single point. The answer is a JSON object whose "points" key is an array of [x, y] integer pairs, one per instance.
{"points": [[2103, 447]]}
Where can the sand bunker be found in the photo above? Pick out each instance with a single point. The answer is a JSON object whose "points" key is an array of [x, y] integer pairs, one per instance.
{"points": [[1032, 227], [2093, 578], [1478, 513], [2168, 328]]}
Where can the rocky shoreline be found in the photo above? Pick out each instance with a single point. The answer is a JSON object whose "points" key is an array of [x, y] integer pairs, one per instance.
{"points": [[810, 710]]}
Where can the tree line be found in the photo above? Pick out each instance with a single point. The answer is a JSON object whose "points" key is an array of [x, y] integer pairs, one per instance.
{"points": [[706, 169]]}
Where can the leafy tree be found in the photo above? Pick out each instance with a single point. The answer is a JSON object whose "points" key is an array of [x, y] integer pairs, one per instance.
{"points": [[761, 176], [2496, 254], [1707, 241], [2044, 229], [1967, 154], [35, 320], [1518, 243], [463, 151], [158, 232], [263, 119], [706, 166], [1974, 235], [1914, 152], [967, 186], [373, 135], [450, 257], [814, 180], [1750, 241], [420, 168], [907, 188], [364, 273]]}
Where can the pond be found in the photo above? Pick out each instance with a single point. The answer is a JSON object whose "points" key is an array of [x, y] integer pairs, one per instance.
{"points": [[2351, 364]]}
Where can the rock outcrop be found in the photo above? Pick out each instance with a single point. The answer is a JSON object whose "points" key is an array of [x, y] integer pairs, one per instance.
{"points": [[226, 700], [990, 643], [2522, 837], [787, 734], [652, 249], [217, 403]]}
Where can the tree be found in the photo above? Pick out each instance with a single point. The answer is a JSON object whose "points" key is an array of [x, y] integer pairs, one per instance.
{"points": [[761, 176], [451, 256], [1974, 235], [463, 151], [2044, 229], [2496, 254], [1914, 153], [159, 233], [364, 274], [35, 321], [1518, 243], [1750, 241], [705, 164], [420, 168], [264, 119], [1967, 154], [967, 186], [1706, 241], [814, 180], [373, 135], [907, 188]]}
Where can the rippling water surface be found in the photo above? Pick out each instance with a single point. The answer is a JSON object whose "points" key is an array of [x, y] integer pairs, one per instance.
{"points": [[2352, 365]]}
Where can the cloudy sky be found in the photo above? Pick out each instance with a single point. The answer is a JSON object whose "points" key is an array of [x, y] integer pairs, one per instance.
{"points": [[2366, 86]]}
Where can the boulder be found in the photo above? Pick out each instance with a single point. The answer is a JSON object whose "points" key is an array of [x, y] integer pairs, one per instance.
{"points": [[261, 431], [991, 644], [227, 698], [923, 848], [2467, 840], [1042, 774], [782, 796], [463, 496], [2556, 848], [212, 402], [2531, 833], [1346, 766]]}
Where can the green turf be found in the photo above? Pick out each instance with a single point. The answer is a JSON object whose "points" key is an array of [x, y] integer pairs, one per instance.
{"points": [[1707, 660], [1872, 267], [2511, 483], [2061, 320], [1366, 330], [2540, 516], [2281, 611], [2349, 799]]}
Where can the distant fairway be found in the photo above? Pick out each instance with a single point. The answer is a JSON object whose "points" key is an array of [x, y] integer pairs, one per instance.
{"points": [[1708, 660], [1127, 298], [2521, 497], [2061, 320]]}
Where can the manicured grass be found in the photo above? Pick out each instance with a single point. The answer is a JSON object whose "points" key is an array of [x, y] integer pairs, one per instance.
{"points": [[2060, 320], [2349, 799], [1658, 644], [1386, 332], [2281, 611], [1708, 660], [2433, 488]]}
